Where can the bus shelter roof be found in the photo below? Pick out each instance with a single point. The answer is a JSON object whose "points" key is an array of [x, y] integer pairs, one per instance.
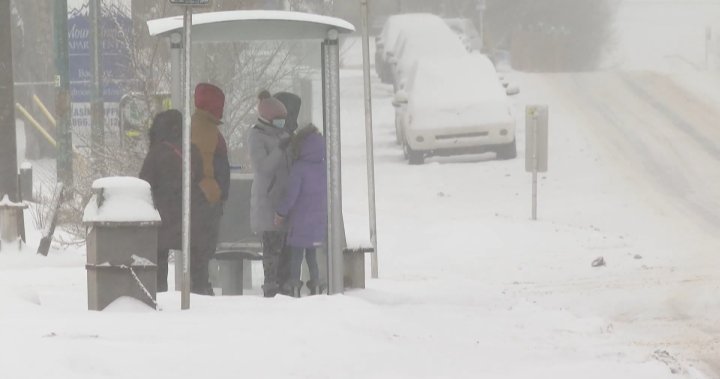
{"points": [[245, 25]]}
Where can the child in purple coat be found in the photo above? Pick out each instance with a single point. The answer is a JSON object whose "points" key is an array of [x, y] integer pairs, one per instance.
{"points": [[305, 207]]}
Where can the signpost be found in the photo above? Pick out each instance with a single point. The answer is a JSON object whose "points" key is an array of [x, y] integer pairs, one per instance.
{"points": [[187, 26], [536, 146]]}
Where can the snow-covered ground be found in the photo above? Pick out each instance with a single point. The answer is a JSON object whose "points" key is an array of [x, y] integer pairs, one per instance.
{"points": [[469, 287]]}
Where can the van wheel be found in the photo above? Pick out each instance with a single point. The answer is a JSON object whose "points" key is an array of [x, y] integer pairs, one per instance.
{"points": [[507, 151], [413, 157]]}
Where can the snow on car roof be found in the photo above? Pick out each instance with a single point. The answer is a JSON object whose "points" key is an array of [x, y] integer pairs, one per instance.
{"points": [[456, 80], [243, 25], [456, 93], [428, 42], [395, 25]]}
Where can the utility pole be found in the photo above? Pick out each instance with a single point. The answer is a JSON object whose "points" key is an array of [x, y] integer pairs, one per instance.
{"points": [[8, 142], [97, 104], [481, 6], [62, 96]]}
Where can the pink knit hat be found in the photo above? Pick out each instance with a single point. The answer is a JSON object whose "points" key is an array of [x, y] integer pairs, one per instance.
{"points": [[270, 108]]}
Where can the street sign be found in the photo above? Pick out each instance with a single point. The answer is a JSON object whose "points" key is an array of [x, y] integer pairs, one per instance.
{"points": [[536, 146], [190, 2], [536, 138]]}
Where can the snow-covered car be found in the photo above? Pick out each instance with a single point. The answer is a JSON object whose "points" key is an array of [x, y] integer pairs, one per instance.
{"points": [[455, 106], [467, 31], [385, 42], [433, 39]]}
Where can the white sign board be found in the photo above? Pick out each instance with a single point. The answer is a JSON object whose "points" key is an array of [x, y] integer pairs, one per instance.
{"points": [[536, 138]]}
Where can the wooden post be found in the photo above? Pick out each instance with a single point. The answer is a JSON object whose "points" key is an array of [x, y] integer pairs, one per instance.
{"points": [[8, 142]]}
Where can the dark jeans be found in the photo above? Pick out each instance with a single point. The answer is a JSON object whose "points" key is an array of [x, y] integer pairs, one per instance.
{"points": [[284, 266], [162, 270], [296, 264], [204, 237], [273, 245]]}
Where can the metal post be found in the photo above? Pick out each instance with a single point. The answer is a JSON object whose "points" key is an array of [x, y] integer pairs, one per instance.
{"points": [[369, 150], [708, 39], [64, 164], [8, 142], [176, 93], [97, 104], [535, 165], [481, 7], [176, 70], [185, 297], [331, 58]]}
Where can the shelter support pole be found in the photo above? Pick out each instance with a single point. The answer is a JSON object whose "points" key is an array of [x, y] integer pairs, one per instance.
{"points": [[331, 112], [369, 138], [185, 296], [176, 97]]}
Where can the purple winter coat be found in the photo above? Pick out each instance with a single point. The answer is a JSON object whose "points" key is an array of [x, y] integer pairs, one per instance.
{"points": [[305, 204]]}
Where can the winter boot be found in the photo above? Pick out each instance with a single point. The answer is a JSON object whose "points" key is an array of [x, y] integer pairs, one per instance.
{"points": [[270, 290], [315, 288], [291, 290]]}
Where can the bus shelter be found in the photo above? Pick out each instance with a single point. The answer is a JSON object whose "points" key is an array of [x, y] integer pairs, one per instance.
{"points": [[260, 25]]}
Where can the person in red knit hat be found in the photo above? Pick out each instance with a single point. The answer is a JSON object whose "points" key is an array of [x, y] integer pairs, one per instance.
{"points": [[214, 182]]}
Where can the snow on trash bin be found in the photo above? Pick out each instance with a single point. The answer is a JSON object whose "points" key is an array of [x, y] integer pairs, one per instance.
{"points": [[121, 199]]}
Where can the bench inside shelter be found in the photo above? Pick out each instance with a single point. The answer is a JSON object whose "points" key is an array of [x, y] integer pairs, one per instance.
{"points": [[238, 246]]}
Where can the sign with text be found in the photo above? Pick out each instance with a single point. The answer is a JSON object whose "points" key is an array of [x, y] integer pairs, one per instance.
{"points": [[116, 41], [536, 138], [116, 49]]}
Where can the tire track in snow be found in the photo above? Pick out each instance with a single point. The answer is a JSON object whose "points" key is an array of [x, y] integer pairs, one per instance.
{"points": [[639, 85], [644, 134]]}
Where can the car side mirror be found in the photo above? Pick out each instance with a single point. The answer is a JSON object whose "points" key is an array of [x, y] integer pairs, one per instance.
{"points": [[512, 90], [400, 99]]}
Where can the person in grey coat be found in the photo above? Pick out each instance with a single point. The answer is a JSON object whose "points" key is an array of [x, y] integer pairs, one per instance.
{"points": [[268, 142]]}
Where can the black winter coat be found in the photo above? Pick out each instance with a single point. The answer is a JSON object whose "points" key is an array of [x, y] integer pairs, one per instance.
{"points": [[162, 168]]}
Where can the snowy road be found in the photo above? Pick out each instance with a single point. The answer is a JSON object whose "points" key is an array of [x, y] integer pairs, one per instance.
{"points": [[634, 158], [665, 141], [469, 286], [656, 129]]}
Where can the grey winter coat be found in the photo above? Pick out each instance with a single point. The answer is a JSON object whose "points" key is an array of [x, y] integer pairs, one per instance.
{"points": [[271, 166]]}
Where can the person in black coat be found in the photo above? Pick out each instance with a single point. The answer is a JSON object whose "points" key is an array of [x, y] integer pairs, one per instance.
{"points": [[162, 168]]}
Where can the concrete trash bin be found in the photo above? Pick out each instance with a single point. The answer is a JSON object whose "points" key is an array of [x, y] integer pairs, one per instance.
{"points": [[122, 224]]}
